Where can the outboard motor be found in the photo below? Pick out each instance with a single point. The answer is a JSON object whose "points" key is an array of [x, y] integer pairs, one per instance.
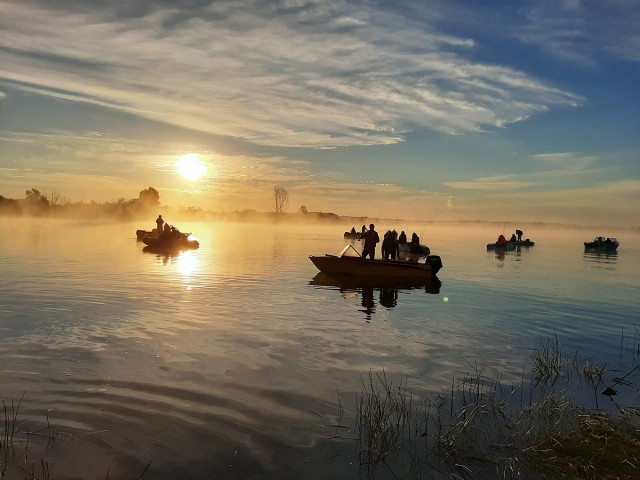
{"points": [[435, 262]]}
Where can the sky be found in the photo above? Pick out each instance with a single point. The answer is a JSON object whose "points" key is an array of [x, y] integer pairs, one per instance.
{"points": [[426, 110]]}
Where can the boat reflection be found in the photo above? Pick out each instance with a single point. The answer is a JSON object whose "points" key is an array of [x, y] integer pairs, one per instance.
{"points": [[386, 290], [597, 256], [515, 253], [167, 254]]}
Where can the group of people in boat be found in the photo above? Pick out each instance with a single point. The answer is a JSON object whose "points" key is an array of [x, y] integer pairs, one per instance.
{"points": [[167, 231], [515, 237], [390, 244]]}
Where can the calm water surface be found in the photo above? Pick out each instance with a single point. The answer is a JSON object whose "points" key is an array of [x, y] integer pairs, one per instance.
{"points": [[226, 361]]}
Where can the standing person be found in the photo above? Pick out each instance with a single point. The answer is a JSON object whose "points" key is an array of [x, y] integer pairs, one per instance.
{"points": [[519, 233], [395, 249], [159, 223], [371, 239]]}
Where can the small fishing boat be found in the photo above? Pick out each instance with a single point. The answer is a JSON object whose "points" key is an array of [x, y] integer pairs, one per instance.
{"points": [[171, 243], [350, 262], [140, 234], [522, 243], [422, 250], [352, 235], [602, 244], [155, 233], [510, 245], [501, 246]]}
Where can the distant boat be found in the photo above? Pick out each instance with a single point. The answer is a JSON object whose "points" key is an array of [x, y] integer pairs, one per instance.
{"points": [[522, 243], [352, 235], [501, 246], [350, 262], [602, 244]]}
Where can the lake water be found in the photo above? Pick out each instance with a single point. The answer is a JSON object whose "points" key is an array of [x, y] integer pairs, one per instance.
{"points": [[230, 361]]}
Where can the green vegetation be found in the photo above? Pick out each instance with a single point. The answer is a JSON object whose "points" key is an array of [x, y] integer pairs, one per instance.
{"points": [[482, 428]]}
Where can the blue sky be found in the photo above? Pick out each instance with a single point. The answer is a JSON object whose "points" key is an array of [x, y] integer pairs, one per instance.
{"points": [[459, 110]]}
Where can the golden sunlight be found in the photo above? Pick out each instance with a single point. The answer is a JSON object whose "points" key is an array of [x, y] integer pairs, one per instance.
{"points": [[191, 167], [188, 264]]}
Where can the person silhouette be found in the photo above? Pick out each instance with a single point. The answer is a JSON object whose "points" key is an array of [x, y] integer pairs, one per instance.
{"points": [[371, 239]]}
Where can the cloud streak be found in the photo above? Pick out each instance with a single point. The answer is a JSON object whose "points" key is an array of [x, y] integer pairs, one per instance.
{"points": [[312, 74]]}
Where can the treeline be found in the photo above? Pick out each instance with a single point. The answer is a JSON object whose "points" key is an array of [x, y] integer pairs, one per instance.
{"points": [[147, 205], [42, 204]]}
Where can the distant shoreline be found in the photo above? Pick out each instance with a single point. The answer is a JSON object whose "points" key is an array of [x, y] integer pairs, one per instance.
{"points": [[42, 205]]}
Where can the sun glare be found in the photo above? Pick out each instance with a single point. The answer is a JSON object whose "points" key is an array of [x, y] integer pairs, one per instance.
{"points": [[191, 167]]}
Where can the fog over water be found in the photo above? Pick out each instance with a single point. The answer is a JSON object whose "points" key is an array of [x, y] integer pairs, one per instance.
{"points": [[230, 358]]}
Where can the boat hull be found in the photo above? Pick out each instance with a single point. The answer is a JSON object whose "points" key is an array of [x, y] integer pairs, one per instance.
{"points": [[170, 244], [357, 266], [523, 243], [503, 247], [352, 236], [600, 248], [600, 244], [140, 234]]}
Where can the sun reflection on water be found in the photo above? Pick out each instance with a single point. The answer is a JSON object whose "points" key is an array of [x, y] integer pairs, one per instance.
{"points": [[187, 264]]}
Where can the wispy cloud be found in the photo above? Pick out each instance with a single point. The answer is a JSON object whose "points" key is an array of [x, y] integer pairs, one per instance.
{"points": [[492, 184], [320, 74], [568, 30]]}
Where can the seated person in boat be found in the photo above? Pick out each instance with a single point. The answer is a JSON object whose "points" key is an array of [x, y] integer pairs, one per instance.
{"points": [[402, 238], [513, 238], [415, 239], [501, 240]]}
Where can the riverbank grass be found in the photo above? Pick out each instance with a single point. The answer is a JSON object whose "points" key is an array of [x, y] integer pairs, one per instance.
{"points": [[482, 427]]}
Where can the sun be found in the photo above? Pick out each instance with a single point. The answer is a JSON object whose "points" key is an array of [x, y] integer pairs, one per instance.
{"points": [[191, 167]]}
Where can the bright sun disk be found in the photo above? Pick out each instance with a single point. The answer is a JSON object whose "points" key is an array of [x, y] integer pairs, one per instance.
{"points": [[191, 167]]}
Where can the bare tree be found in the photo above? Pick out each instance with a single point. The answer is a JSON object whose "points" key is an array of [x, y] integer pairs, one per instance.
{"points": [[303, 210], [281, 197]]}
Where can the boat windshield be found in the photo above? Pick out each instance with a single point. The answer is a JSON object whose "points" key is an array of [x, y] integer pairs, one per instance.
{"points": [[349, 251]]}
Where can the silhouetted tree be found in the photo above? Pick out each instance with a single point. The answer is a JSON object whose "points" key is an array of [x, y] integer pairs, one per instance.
{"points": [[34, 198], [281, 197], [303, 210], [150, 197]]}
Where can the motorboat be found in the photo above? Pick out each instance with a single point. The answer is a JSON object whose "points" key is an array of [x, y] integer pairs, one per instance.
{"points": [[522, 243], [504, 245], [352, 235], [350, 262], [171, 242], [602, 244], [140, 234], [155, 233], [501, 246]]}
